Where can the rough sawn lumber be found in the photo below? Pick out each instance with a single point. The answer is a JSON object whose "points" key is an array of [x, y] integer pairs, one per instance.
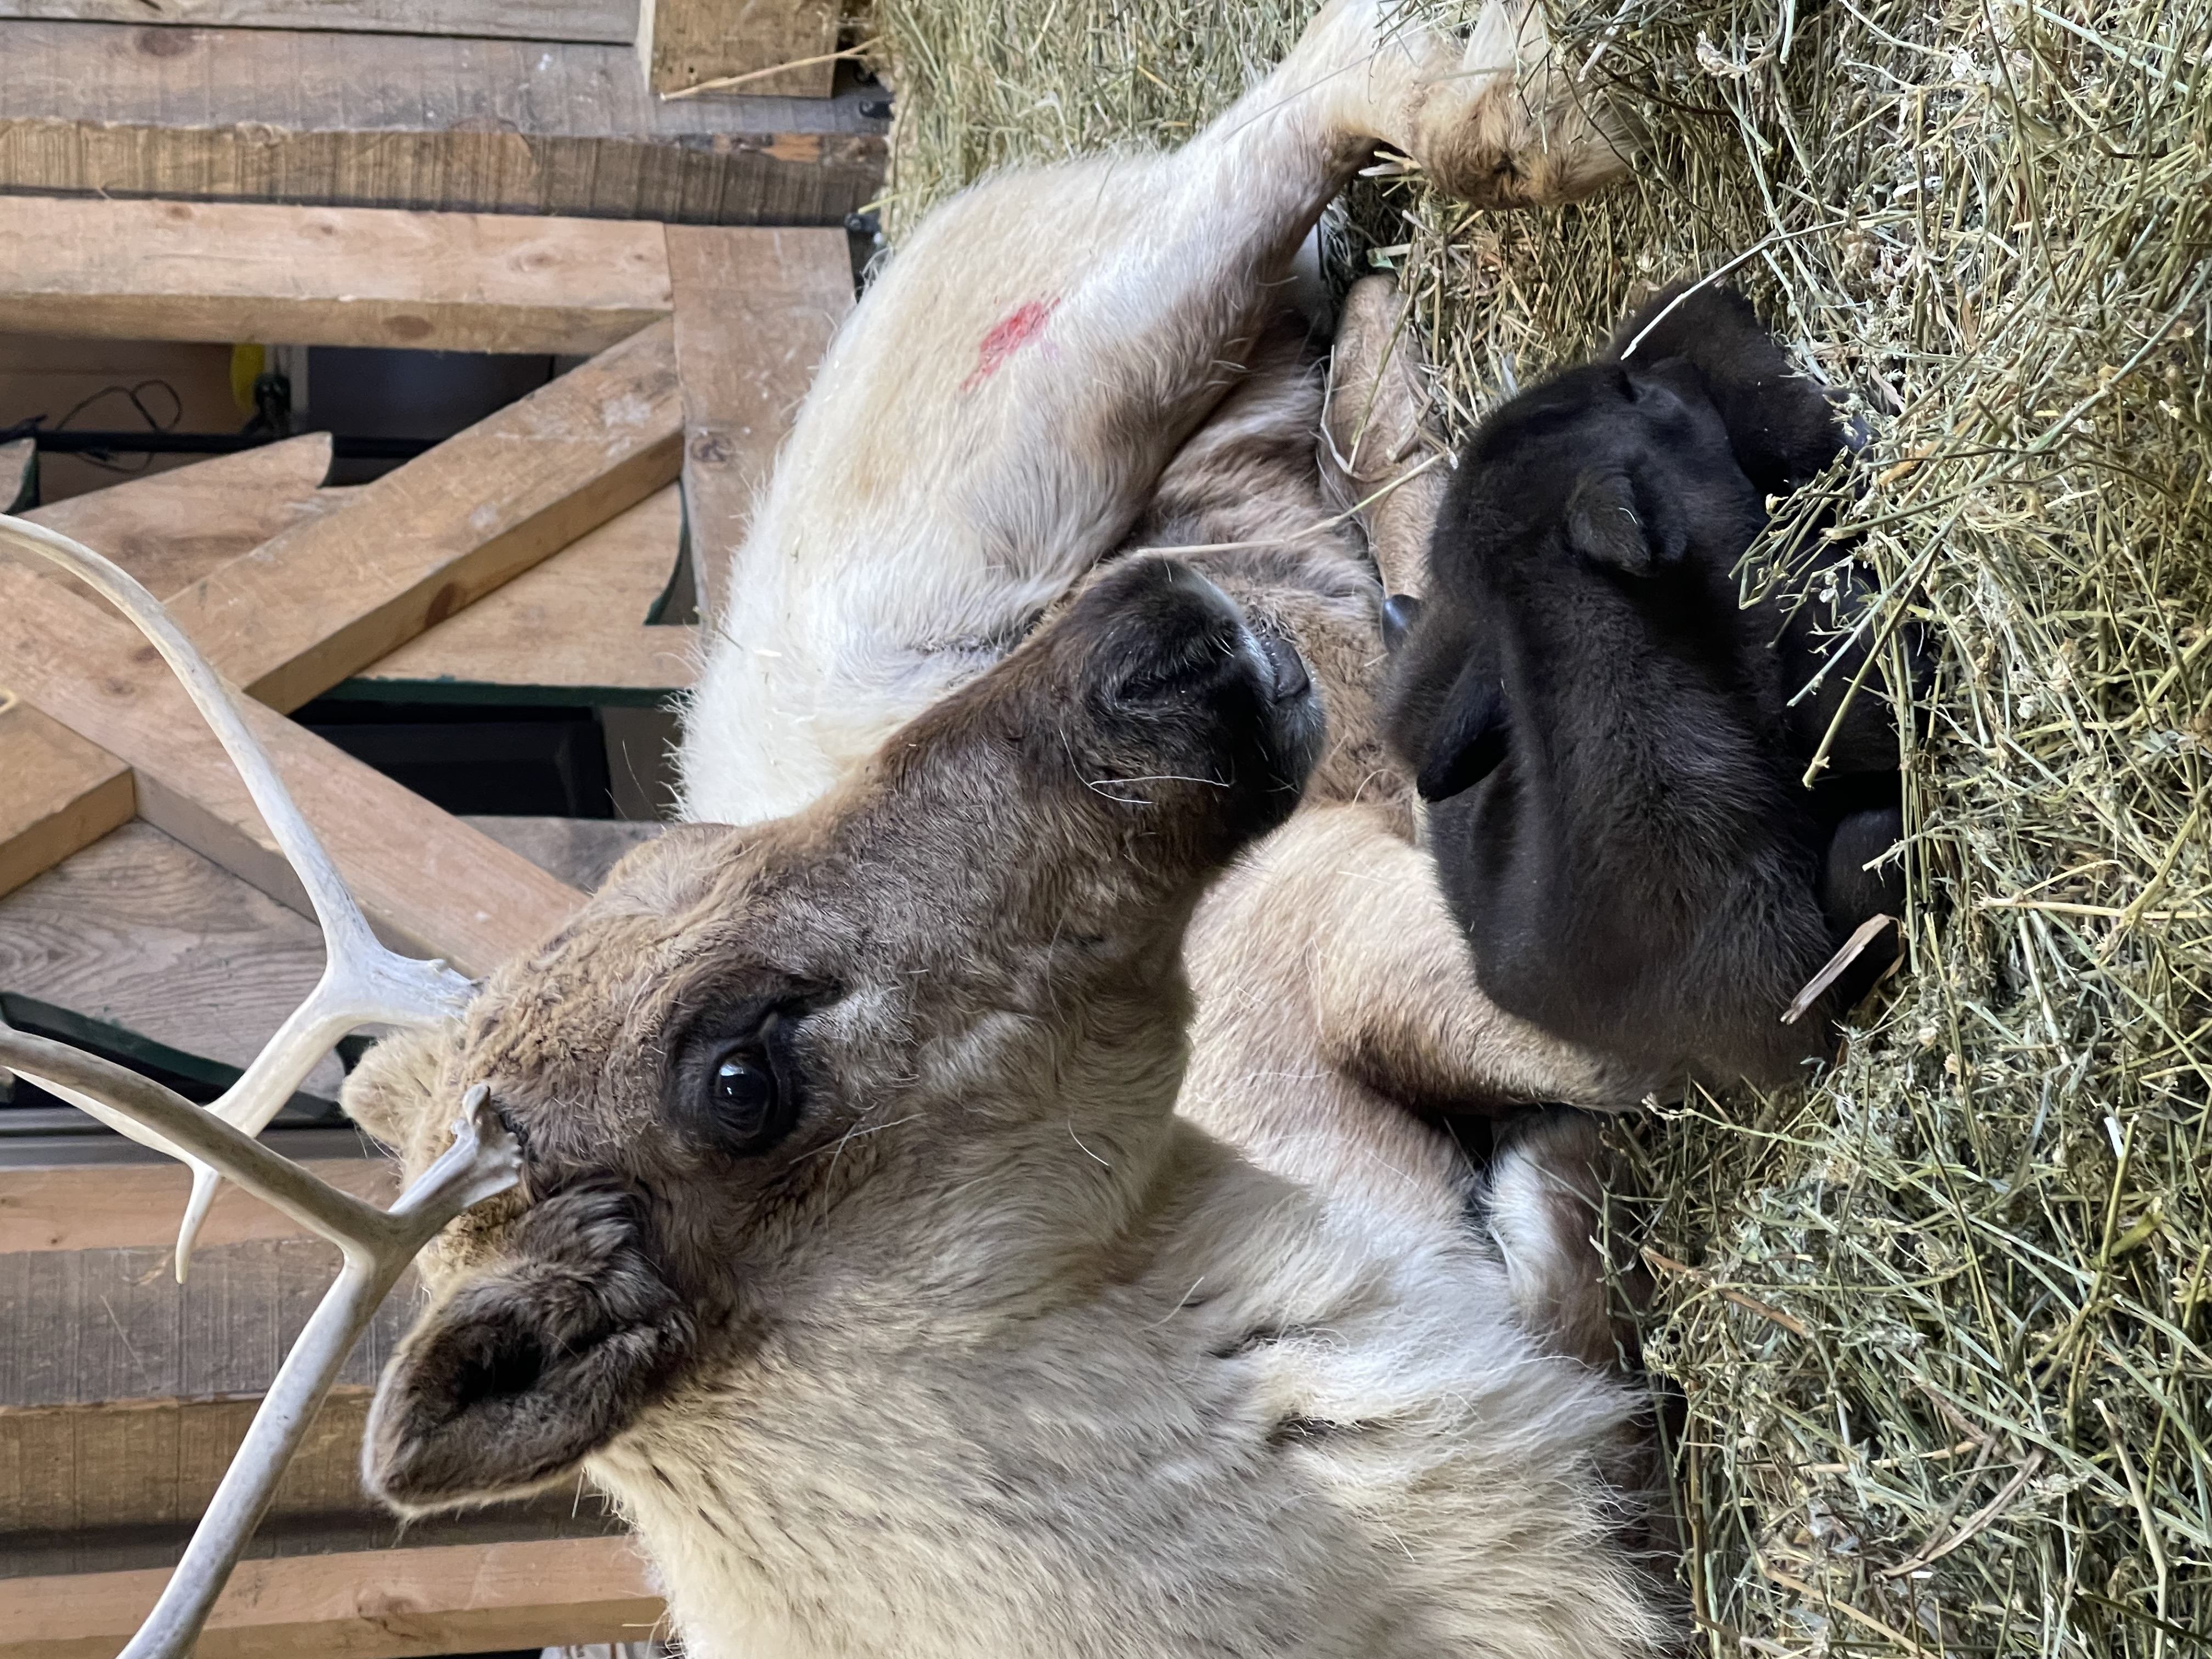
{"points": [[460, 1598], [755, 312], [324, 276], [609, 23], [405, 121], [331, 595], [426, 880]]}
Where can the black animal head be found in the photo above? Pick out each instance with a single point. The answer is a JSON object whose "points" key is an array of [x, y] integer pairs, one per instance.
{"points": [[1598, 723]]}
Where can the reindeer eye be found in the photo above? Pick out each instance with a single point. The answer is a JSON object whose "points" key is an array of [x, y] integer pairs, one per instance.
{"points": [[743, 1100]]}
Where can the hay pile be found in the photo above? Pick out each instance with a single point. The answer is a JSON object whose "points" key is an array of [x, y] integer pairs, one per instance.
{"points": [[1940, 1322]]}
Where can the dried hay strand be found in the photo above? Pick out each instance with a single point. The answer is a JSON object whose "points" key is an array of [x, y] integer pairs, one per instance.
{"points": [[1938, 1320]]}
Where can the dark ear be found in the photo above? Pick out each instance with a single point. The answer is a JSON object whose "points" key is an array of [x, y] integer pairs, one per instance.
{"points": [[1611, 523], [524, 1370], [1782, 427], [1468, 740]]}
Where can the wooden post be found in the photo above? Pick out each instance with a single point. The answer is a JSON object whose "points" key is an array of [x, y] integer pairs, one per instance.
{"points": [[767, 47]]}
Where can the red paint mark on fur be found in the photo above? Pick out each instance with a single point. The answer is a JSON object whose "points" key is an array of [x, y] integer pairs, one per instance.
{"points": [[1009, 335]]}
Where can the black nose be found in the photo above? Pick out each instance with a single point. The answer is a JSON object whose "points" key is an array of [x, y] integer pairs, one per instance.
{"points": [[1174, 632]]}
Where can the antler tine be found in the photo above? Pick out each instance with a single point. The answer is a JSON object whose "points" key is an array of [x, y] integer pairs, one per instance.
{"points": [[363, 983], [482, 1161]]}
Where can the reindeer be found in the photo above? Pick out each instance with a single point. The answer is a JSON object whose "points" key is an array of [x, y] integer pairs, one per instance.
{"points": [[879, 1324], [1071, 362], [861, 1255], [995, 416], [1620, 759]]}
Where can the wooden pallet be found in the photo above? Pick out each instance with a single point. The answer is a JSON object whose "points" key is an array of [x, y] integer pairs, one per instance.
{"points": [[521, 560]]}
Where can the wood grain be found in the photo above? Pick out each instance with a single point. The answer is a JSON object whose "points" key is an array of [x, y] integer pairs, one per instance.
{"points": [[607, 21], [113, 1206], [402, 121], [332, 595], [429, 882], [173, 528], [755, 312], [62, 791], [394, 1603], [18, 466], [688, 43], [140, 931], [324, 276], [572, 628], [167, 530]]}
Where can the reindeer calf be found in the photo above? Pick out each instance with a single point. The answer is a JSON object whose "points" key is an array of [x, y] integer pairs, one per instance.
{"points": [[1604, 737], [861, 1255]]}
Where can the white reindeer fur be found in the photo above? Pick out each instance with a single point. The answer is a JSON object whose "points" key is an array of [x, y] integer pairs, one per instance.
{"points": [[1122, 1504], [920, 518], [931, 1459]]}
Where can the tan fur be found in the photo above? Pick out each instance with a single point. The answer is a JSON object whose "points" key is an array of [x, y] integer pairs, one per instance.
{"points": [[1337, 1003], [999, 1354], [995, 1354]]}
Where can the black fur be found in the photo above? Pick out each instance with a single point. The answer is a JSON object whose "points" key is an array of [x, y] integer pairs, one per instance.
{"points": [[1602, 731]]}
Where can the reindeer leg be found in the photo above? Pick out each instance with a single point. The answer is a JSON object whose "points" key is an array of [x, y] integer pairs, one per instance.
{"points": [[994, 414]]}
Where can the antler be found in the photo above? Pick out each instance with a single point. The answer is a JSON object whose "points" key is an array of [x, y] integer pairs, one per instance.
{"points": [[362, 983]]}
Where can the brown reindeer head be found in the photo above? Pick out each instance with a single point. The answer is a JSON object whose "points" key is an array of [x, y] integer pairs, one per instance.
{"points": [[926, 1033]]}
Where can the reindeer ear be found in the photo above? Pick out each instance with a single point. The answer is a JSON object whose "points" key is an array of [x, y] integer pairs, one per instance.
{"points": [[1783, 427], [1469, 740], [1611, 523], [525, 1371]]}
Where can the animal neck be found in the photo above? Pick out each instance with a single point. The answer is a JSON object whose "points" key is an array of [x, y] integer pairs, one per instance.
{"points": [[1003, 1475]]}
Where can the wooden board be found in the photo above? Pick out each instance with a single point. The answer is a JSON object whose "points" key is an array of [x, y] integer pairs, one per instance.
{"points": [[90, 1470], [405, 121], [140, 933], [426, 880], [607, 21], [62, 791], [167, 530], [573, 630], [755, 312], [690, 44], [334, 594], [116, 1207], [19, 466], [173, 528], [321, 276], [395, 1602]]}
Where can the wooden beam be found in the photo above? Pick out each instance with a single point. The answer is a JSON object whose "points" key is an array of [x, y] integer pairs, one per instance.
{"points": [[755, 312], [166, 530], [62, 792], [77, 1471], [607, 21], [402, 121], [137, 1205], [320, 276], [381, 1606], [172, 528], [573, 630], [139, 933], [426, 880], [19, 471], [329, 597], [780, 47]]}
